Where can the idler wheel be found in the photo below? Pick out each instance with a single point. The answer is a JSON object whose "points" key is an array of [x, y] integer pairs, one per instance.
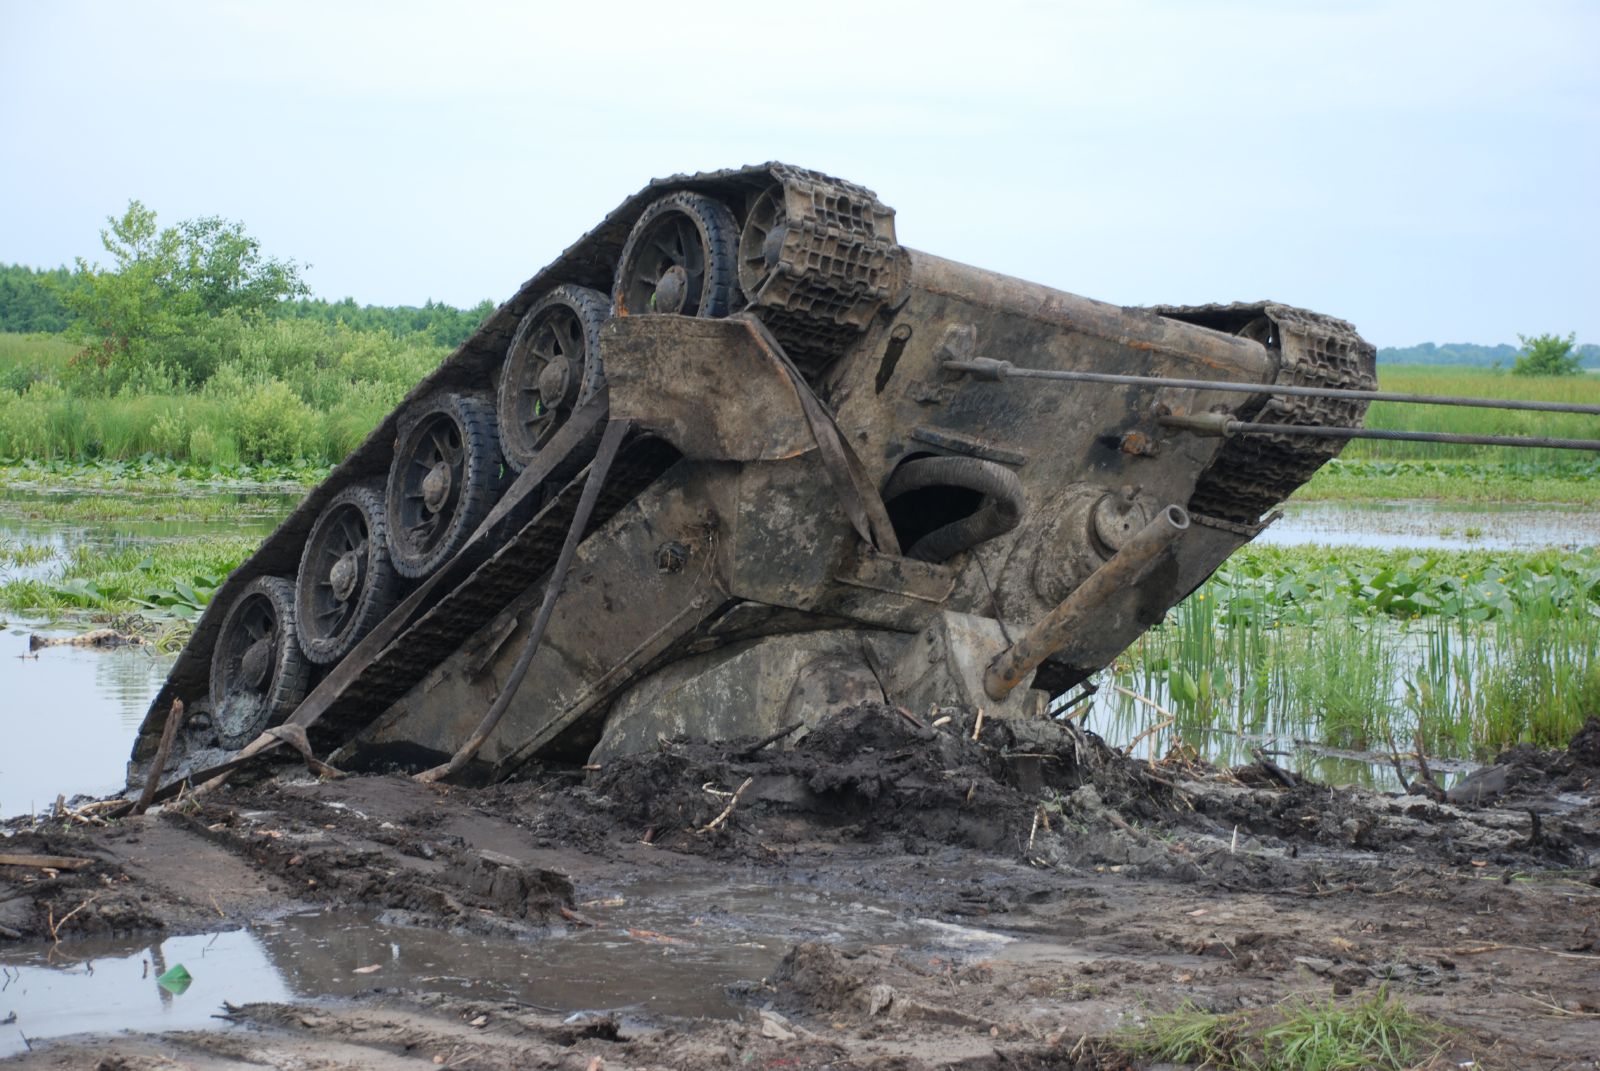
{"points": [[761, 240], [442, 483], [258, 672], [552, 366], [681, 258], [346, 582]]}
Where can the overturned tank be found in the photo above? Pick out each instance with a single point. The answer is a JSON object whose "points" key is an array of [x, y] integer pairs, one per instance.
{"points": [[737, 459]]}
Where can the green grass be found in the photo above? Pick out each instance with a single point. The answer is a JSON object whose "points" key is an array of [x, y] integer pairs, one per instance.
{"points": [[131, 512], [172, 580], [1476, 650], [1378, 1033], [285, 391], [1477, 383], [1576, 479], [1375, 469], [156, 475]]}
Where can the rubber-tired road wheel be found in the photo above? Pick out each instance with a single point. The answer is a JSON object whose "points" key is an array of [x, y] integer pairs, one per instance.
{"points": [[443, 482], [761, 241], [346, 583], [552, 366], [681, 257], [258, 672]]}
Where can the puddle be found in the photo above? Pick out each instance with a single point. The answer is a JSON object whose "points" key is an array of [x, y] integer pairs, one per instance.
{"points": [[112, 986], [670, 950], [1432, 526], [69, 715]]}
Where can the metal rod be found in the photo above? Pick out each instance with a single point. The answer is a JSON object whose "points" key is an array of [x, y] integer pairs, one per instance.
{"points": [[1077, 613], [1208, 424], [989, 368]]}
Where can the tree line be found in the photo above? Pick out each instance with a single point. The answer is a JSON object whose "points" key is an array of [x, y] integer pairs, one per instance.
{"points": [[1468, 353], [166, 282], [162, 279]]}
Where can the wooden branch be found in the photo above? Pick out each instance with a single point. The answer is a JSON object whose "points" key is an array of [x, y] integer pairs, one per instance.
{"points": [[158, 766]]}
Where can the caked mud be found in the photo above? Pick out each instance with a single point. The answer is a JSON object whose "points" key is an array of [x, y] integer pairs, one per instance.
{"points": [[1010, 894]]}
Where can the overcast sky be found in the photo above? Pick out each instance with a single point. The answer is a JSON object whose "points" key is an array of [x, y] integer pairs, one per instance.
{"points": [[1427, 170]]}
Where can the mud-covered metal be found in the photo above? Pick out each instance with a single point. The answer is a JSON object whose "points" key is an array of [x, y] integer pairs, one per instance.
{"points": [[815, 509]]}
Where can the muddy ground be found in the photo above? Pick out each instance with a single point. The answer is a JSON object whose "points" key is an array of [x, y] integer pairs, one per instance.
{"points": [[1119, 890]]}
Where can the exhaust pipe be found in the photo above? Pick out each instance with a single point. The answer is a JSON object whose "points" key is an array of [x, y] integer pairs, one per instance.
{"points": [[1077, 612]]}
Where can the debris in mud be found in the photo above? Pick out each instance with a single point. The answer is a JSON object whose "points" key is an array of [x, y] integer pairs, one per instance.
{"points": [[1073, 890], [867, 774], [1527, 774]]}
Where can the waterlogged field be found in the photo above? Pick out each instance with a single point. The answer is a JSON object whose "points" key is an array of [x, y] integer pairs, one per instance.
{"points": [[1464, 652], [117, 539]]}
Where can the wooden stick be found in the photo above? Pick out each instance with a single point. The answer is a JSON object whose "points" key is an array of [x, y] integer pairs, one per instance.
{"points": [[726, 811], [912, 718], [977, 726], [158, 767], [1164, 723], [1518, 948], [1431, 787], [50, 862], [1146, 700], [55, 926], [768, 740]]}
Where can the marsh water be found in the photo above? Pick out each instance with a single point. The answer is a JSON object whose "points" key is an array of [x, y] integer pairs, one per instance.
{"points": [[69, 714], [1436, 526]]}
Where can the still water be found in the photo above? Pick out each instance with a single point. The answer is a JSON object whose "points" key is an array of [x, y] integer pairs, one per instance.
{"points": [[658, 950]]}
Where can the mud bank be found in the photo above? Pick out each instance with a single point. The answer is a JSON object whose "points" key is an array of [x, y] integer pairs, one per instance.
{"points": [[1078, 892]]}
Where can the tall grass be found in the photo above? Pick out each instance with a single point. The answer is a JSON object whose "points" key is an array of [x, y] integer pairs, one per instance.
{"points": [[1474, 650], [1482, 383], [283, 391]]}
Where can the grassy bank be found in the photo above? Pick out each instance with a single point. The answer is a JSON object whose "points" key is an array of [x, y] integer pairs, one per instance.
{"points": [[169, 583]]}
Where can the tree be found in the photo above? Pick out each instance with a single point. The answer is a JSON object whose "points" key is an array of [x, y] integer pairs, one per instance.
{"points": [[1547, 355], [149, 309]]}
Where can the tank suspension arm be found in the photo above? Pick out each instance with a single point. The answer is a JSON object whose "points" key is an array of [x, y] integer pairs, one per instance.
{"points": [[615, 432], [1077, 614], [990, 369], [1218, 424]]}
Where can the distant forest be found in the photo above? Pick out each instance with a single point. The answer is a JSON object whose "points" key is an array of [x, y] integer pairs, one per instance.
{"points": [[30, 303], [1468, 353]]}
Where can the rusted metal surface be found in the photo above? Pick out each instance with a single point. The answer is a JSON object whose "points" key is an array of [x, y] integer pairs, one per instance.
{"points": [[757, 553], [1076, 618]]}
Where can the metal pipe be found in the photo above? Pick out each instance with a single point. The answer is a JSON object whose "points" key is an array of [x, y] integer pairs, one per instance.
{"points": [[1077, 612], [1218, 424], [991, 369]]}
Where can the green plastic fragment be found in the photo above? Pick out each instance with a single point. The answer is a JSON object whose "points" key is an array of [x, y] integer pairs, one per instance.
{"points": [[176, 980]]}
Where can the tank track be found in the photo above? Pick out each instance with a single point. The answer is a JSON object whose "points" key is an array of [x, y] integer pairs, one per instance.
{"points": [[1253, 473], [838, 266]]}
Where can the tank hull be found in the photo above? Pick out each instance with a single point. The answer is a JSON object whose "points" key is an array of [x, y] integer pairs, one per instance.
{"points": [[757, 556]]}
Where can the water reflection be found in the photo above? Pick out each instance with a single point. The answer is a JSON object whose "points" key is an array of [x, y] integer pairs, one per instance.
{"points": [[667, 949], [69, 715], [112, 986], [1435, 526]]}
